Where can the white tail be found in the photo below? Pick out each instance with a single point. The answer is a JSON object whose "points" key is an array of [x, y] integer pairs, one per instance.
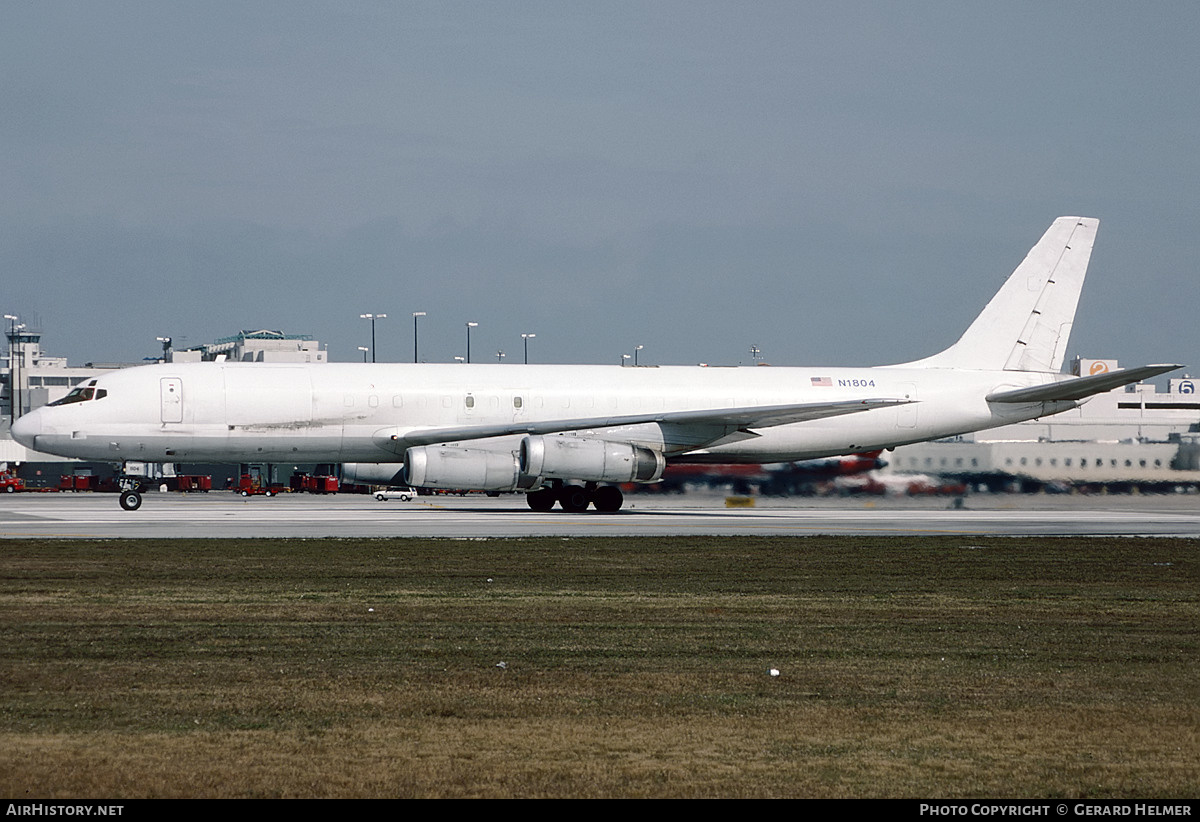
{"points": [[1026, 325]]}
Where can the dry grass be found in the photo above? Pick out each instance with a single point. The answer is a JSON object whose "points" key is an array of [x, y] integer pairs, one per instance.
{"points": [[632, 667]]}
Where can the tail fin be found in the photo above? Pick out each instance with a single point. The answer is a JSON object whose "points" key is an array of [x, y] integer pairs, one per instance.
{"points": [[1026, 325]]}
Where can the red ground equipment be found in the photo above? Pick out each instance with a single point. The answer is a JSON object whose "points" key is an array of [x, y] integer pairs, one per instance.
{"points": [[250, 486]]}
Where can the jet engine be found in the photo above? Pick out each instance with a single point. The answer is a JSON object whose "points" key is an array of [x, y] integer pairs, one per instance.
{"points": [[439, 466], [577, 458], [371, 473]]}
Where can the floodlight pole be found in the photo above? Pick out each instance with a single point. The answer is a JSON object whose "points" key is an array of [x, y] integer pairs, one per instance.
{"points": [[470, 325], [415, 315], [373, 318]]}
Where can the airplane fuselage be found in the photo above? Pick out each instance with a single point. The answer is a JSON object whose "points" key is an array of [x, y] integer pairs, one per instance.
{"points": [[244, 412], [570, 434]]}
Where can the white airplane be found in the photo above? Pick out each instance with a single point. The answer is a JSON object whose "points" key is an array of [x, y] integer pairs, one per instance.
{"points": [[569, 434]]}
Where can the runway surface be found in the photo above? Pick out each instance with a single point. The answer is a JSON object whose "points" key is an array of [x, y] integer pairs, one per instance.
{"points": [[221, 514]]}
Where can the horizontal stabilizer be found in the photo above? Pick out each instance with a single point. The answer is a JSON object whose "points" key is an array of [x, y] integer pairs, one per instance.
{"points": [[1079, 387], [762, 416]]}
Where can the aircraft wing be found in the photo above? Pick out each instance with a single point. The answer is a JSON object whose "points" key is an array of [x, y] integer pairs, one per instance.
{"points": [[1079, 387], [722, 420]]}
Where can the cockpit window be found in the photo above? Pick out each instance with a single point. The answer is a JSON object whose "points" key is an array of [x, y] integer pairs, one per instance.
{"points": [[82, 393]]}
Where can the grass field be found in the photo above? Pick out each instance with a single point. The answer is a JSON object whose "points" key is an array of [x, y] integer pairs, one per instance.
{"points": [[908, 666]]}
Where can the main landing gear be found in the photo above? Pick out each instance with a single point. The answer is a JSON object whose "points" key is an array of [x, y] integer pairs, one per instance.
{"points": [[575, 499]]}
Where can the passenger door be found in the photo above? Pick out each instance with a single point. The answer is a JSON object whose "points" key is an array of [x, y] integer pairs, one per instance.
{"points": [[171, 399]]}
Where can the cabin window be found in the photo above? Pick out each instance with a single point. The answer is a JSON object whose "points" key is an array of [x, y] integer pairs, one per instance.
{"points": [[470, 401], [516, 402]]}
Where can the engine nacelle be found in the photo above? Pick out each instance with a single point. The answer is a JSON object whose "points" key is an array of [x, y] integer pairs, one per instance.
{"points": [[590, 460], [438, 466], [372, 473]]}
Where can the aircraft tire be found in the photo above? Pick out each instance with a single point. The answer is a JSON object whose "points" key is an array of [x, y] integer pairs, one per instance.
{"points": [[574, 499], [541, 500], [608, 499], [131, 500]]}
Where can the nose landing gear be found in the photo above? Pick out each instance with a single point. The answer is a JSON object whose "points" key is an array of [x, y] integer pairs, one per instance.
{"points": [[131, 492]]}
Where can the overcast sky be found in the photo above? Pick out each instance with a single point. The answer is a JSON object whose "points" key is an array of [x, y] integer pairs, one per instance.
{"points": [[835, 183]]}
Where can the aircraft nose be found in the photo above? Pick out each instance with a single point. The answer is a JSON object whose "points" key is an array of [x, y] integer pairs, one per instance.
{"points": [[25, 429]]}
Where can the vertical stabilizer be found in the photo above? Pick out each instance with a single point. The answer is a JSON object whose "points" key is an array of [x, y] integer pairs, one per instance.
{"points": [[1026, 325]]}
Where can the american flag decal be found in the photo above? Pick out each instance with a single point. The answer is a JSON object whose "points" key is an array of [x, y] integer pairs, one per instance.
{"points": [[822, 382]]}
